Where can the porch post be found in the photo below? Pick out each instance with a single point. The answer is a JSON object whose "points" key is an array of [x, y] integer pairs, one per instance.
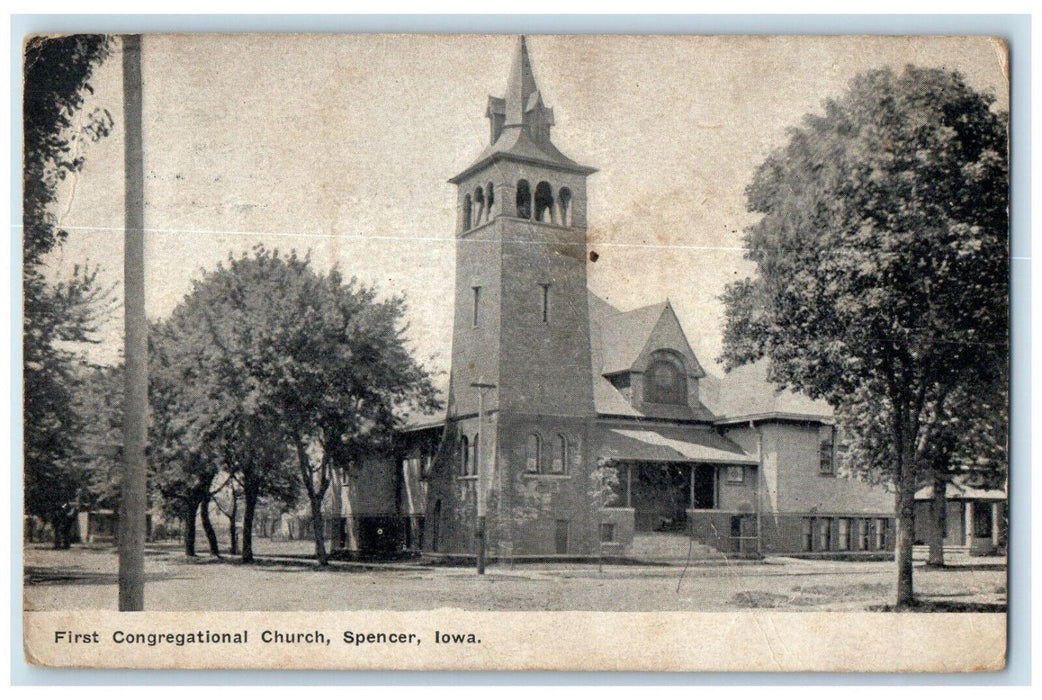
{"points": [[759, 491], [629, 485], [691, 489], [967, 509], [995, 512]]}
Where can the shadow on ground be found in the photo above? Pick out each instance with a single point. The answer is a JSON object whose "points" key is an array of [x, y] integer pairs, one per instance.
{"points": [[962, 567], [61, 576], [945, 606]]}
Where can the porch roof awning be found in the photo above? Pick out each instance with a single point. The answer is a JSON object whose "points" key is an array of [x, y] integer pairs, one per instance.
{"points": [[962, 492], [661, 446]]}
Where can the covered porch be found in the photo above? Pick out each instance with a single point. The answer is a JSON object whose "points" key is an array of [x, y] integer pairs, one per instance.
{"points": [[975, 519], [676, 485]]}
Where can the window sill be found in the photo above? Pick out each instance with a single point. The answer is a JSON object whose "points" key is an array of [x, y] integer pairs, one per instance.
{"points": [[469, 477], [540, 475]]}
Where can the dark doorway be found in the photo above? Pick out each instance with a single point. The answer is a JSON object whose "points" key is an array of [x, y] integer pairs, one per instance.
{"points": [[661, 494], [705, 488], [561, 537]]}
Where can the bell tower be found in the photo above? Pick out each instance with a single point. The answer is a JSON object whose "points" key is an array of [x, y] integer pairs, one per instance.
{"points": [[521, 318], [521, 325]]}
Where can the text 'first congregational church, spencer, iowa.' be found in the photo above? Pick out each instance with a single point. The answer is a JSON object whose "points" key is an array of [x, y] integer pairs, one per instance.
{"points": [[575, 384]]}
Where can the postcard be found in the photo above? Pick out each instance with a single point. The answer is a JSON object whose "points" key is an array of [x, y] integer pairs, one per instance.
{"points": [[502, 352]]}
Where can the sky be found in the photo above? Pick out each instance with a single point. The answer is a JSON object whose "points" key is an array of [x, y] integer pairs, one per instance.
{"points": [[343, 145]]}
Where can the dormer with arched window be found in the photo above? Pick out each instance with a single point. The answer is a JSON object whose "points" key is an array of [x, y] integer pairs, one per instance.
{"points": [[665, 379]]}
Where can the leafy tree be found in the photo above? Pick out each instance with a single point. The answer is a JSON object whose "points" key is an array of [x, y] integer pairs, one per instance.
{"points": [[882, 268], [183, 470], [206, 423], [324, 356], [57, 314], [98, 401], [291, 360]]}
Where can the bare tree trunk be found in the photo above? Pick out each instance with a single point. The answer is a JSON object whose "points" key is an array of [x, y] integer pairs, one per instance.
{"points": [[905, 502], [317, 526], [211, 535], [190, 529], [56, 524], [938, 521], [249, 498], [232, 534]]}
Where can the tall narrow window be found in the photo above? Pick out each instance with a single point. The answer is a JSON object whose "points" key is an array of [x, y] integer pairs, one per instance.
{"points": [[844, 534], [474, 456], [532, 453], [466, 213], [524, 200], [544, 301], [560, 463], [827, 448], [464, 456], [477, 304], [824, 534], [882, 525], [862, 535], [479, 207], [544, 203], [808, 534], [564, 203], [490, 199]]}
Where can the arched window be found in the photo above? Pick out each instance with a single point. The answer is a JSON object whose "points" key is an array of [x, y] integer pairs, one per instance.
{"points": [[474, 466], [464, 456], [544, 202], [560, 462], [479, 207], [490, 199], [524, 200], [532, 453], [664, 381], [466, 213], [564, 203]]}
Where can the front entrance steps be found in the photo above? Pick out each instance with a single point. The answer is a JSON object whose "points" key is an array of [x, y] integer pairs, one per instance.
{"points": [[669, 546]]}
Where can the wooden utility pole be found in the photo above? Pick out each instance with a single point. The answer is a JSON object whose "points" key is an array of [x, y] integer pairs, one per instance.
{"points": [[482, 476], [133, 496]]}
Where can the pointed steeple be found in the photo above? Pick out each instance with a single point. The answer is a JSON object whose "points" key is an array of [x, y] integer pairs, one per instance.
{"points": [[521, 86], [520, 123]]}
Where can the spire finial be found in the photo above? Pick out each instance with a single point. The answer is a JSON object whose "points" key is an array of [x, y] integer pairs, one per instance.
{"points": [[521, 86]]}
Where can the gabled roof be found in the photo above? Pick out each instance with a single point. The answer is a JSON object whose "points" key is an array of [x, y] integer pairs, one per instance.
{"points": [[624, 335], [617, 341]]}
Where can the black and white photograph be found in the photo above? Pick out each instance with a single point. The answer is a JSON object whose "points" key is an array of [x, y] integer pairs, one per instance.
{"points": [[702, 328]]}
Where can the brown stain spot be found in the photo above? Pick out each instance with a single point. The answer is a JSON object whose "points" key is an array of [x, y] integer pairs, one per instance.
{"points": [[594, 256]]}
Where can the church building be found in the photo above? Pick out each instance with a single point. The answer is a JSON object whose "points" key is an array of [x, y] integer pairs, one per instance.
{"points": [[576, 428]]}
